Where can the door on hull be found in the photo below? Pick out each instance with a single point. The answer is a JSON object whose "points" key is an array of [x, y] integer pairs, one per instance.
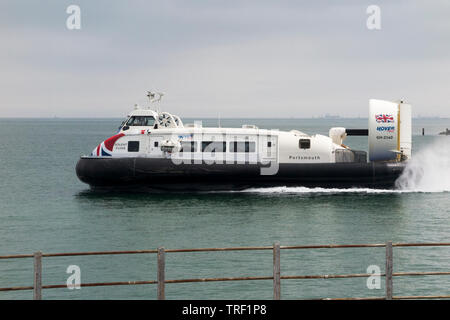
{"points": [[268, 146], [155, 145]]}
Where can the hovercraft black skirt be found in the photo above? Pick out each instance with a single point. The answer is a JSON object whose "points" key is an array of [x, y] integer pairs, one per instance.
{"points": [[163, 174]]}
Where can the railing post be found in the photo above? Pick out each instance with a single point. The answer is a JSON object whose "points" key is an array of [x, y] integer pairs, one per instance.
{"points": [[276, 271], [161, 273], [37, 286], [389, 269]]}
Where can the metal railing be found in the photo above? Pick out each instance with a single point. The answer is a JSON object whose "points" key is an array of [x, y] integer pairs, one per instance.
{"points": [[161, 280]]}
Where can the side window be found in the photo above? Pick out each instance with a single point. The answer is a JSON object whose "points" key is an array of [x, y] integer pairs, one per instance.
{"points": [[188, 146], [304, 143], [212, 146], [141, 121], [246, 146], [150, 121], [130, 121], [133, 146]]}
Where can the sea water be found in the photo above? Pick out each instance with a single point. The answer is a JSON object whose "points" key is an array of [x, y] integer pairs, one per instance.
{"points": [[43, 206]]}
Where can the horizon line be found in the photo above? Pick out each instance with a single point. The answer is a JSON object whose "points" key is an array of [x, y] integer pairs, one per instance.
{"points": [[226, 118]]}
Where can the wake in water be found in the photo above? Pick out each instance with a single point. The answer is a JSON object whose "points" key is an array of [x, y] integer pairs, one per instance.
{"points": [[428, 171], [305, 190]]}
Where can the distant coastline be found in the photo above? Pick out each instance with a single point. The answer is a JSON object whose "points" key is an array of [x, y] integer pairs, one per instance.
{"points": [[222, 118]]}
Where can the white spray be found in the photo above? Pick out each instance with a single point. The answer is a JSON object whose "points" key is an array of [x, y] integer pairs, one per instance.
{"points": [[429, 169]]}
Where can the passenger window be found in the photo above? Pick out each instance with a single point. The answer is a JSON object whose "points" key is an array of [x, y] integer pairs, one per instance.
{"points": [[188, 146], [246, 146], [133, 146], [304, 143], [212, 146]]}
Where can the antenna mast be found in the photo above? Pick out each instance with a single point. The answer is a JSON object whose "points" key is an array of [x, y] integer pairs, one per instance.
{"points": [[154, 97]]}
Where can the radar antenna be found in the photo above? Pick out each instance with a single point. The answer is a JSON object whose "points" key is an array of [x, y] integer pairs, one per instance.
{"points": [[154, 96]]}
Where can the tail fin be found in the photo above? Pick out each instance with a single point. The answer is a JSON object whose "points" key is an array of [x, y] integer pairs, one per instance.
{"points": [[389, 131]]}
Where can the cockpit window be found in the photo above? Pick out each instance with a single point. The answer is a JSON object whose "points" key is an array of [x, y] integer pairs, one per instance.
{"points": [[141, 121]]}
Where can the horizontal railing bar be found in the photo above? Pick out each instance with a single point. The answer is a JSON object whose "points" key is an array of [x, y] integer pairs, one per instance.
{"points": [[67, 254], [356, 298], [218, 279], [132, 252], [219, 249], [433, 273], [368, 245], [95, 284], [425, 244], [17, 256], [328, 246], [421, 297], [330, 276], [224, 279], [298, 277], [98, 284], [102, 284], [333, 246], [362, 275], [16, 288], [97, 253], [394, 297]]}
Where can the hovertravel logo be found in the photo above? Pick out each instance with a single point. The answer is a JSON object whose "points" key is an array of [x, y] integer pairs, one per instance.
{"points": [[386, 129]]}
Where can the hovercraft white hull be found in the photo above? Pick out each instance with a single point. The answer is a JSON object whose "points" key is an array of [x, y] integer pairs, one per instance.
{"points": [[155, 150]]}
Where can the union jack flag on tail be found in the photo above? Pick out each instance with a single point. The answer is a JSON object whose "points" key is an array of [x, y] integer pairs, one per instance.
{"points": [[384, 118]]}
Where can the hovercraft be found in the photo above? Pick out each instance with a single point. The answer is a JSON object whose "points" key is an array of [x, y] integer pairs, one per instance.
{"points": [[155, 150]]}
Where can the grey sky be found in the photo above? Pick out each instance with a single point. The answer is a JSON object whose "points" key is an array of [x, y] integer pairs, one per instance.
{"points": [[237, 58]]}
